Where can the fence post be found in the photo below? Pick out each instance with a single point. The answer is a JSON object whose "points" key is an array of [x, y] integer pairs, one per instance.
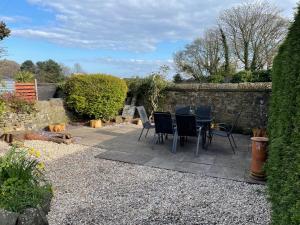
{"points": [[36, 90]]}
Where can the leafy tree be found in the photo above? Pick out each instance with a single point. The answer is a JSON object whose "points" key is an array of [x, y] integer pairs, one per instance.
{"points": [[24, 76], [177, 78], [49, 72], [4, 32], [283, 166], [28, 65]]}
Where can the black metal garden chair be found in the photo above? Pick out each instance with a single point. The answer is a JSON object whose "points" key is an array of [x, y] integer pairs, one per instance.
{"points": [[186, 126], [203, 112], [223, 130], [182, 110], [145, 120], [163, 125]]}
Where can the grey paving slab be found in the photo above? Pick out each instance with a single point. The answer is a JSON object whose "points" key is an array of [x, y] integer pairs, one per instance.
{"points": [[217, 161], [125, 157]]}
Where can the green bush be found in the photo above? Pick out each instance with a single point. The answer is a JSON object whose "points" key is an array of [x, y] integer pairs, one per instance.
{"points": [[17, 104], [261, 76], [283, 166], [242, 76], [97, 96], [22, 183], [24, 77]]}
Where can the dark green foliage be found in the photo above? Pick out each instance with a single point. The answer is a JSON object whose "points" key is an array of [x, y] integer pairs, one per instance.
{"points": [[242, 76], [28, 66], [261, 76], [49, 72], [177, 78], [283, 167], [4, 31], [96, 96]]}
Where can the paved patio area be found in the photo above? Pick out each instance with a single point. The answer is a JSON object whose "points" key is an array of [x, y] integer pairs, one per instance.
{"points": [[121, 144]]}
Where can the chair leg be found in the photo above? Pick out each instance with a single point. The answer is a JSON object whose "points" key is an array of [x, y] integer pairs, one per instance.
{"points": [[174, 146], [233, 141], [141, 134], [198, 143], [147, 132], [231, 144]]}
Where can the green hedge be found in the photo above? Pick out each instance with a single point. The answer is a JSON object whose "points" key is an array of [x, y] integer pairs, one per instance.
{"points": [[97, 96], [283, 167]]}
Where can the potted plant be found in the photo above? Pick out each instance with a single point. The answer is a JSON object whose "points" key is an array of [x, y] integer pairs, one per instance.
{"points": [[259, 147]]}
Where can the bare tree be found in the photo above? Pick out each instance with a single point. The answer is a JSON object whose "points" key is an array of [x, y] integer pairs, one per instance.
{"points": [[255, 31], [203, 57], [77, 68]]}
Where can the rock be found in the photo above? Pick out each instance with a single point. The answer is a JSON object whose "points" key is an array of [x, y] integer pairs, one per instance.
{"points": [[58, 127], [45, 205], [119, 119], [32, 216], [35, 136], [8, 218], [95, 123]]}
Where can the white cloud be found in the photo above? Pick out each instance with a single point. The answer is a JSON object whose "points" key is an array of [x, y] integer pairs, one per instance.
{"points": [[130, 66], [14, 19], [134, 25]]}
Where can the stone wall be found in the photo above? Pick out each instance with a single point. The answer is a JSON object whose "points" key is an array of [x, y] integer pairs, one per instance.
{"points": [[48, 112], [226, 100]]}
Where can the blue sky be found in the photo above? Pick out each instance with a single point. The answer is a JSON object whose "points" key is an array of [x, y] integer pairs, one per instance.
{"points": [[119, 37]]}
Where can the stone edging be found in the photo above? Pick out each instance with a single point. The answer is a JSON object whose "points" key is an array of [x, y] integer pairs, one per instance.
{"points": [[30, 216]]}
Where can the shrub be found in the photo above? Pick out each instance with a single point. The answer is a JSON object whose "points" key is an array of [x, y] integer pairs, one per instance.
{"points": [[261, 76], [97, 96], [17, 104], [177, 78], [283, 166], [242, 76], [22, 182], [24, 77]]}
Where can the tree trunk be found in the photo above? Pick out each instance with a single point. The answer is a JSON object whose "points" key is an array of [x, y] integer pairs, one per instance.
{"points": [[246, 55], [226, 52]]}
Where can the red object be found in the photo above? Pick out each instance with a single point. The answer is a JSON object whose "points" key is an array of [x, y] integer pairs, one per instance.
{"points": [[259, 157], [26, 91]]}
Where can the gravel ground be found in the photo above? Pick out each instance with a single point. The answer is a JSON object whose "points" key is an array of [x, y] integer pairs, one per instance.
{"points": [[95, 191]]}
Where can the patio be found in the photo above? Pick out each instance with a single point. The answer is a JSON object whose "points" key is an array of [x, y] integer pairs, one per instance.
{"points": [[120, 143]]}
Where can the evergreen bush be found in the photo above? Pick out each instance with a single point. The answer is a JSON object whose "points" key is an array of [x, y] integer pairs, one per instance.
{"points": [[97, 96], [283, 166]]}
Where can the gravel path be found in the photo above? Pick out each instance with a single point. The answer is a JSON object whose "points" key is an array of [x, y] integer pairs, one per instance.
{"points": [[94, 191]]}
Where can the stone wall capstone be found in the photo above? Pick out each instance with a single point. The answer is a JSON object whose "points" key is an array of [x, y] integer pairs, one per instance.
{"points": [[48, 112], [225, 100]]}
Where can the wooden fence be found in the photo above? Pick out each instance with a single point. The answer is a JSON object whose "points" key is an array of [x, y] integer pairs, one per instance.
{"points": [[27, 91]]}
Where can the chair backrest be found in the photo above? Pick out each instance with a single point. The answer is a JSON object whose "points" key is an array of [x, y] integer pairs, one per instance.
{"points": [[183, 110], [235, 121], [186, 125], [203, 112], [143, 115], [163, 123]]}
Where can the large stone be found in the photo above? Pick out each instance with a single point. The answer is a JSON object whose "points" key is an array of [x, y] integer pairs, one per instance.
{"points": [[8, 218], [33, 216], [119, 119]]}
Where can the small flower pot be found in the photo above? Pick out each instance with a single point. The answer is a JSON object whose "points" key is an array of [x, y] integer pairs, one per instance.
{"points": [[95, 123], [58, 127], [259, 157]]}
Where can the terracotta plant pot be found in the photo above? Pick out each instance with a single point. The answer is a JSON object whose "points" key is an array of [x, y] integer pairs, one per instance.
{"points": [[95, 123], [58, 127], [259, 157]]}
